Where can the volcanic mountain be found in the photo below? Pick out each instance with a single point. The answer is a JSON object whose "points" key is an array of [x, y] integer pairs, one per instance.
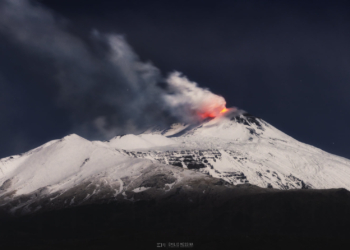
{"points": [[234, 157]]}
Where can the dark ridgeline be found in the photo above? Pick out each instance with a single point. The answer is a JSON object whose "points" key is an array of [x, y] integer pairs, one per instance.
{"points": [[221, 218]]}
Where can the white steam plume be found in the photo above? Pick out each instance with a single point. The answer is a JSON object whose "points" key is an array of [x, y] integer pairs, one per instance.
{"points": [[98, 79], [191, 102]]}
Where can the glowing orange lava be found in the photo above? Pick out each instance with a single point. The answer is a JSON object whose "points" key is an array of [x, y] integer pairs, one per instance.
{"points": [[224, 110], [212, 113], [206, 115]]}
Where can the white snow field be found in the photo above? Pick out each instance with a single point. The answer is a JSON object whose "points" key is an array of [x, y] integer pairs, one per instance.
{"points": [[236, 147]]}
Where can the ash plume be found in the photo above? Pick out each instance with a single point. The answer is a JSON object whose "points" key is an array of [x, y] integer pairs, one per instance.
{"points": [[98, 79], [190, 102]]}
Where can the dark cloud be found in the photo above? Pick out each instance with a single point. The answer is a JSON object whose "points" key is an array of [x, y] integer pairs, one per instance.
{"points": [[98, 78], [285, 61]]}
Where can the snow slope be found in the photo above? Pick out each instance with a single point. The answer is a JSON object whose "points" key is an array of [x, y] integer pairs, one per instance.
{"points": [[248, 147], [62, 163], [75, 171], [139, 141], [235, 147]]}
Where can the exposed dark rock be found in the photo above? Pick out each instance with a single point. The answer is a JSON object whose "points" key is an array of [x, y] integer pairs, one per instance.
{"points": [[240, 119], [158, 181], [85, 161], [252, 131], [253, 120], [299, 182], [6, 185], [195, 166], [176, 164]]}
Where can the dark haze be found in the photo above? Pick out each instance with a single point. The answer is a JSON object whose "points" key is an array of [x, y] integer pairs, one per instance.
{"points": [[285, 61], [97, 79]]}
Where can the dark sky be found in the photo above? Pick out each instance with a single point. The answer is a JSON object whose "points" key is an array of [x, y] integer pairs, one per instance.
{"points": [[287, 62]]}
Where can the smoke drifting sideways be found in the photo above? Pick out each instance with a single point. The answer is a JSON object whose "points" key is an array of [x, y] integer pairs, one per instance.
{"points": [[190, 102], [97, 78]]}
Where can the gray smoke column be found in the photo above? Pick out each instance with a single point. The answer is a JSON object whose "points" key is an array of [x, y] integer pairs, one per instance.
{"points": [[99, 79]]}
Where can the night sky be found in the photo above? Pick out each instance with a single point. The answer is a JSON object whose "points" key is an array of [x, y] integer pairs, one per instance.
{"points": [[287, 62]]}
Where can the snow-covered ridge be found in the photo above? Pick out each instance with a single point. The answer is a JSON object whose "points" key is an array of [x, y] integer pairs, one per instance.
{"points": [[249, 150], [139, 141], [236, 147]]}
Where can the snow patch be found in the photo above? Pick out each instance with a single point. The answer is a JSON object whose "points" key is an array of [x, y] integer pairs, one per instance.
{"points": [[140, 189]]}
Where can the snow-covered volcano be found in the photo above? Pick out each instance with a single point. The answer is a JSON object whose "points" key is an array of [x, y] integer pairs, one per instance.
{"points": [[240, 148], [235, 147]]}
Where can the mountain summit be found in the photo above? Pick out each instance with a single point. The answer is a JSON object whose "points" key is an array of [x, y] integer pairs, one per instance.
{"points": [[240, 148], [232, 148], [234, 178]]}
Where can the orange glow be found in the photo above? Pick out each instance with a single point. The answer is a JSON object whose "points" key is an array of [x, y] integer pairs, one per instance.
{"points": [[224, 110], [211, 113], [207, 115]]}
